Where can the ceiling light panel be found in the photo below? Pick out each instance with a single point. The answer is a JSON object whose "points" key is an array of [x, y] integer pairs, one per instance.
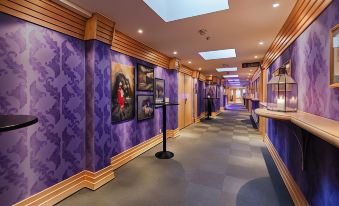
{"points": [[219, 54], [231, 76], [230, 69], [171, 10]]}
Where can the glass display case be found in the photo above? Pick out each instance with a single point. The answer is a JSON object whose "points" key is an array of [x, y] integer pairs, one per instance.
{"points": [[334, 64], [282, 91]]}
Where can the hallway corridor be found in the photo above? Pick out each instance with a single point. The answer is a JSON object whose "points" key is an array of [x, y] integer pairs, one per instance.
{"points": [[218, 162]]}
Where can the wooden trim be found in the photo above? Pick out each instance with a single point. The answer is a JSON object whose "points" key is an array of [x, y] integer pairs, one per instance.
{"points": [[326, 129], [128, 155], [202, 77], [100, 28], [332, 84], [302, 16], [198, 119], [292, 187], [174, 64], [214, 114], [65, 188], [47, 14], [186, 70], [126, 45]]}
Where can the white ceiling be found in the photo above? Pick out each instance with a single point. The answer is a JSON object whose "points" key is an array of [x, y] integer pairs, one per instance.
{"points": [[241, 27]]}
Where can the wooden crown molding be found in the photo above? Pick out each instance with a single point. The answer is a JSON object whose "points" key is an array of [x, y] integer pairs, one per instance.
{"points": [[302, 15], [47, 14], [51, 15], [127, 45], [202, 77], [186, 70], [99, 27]]}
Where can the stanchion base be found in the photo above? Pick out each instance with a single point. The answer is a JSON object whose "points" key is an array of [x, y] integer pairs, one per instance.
{"points": [[164, 155]]}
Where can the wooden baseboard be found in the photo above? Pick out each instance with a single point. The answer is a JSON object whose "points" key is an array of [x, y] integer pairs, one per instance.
{"points": [[292, 187], [91, 180], [198, 119], [214, 114], [58, 192], [128, 155]]}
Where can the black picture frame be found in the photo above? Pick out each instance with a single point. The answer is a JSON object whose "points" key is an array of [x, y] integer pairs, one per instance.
{"points": [[145, 80], [126, 75], [156, 98], [140, 104], [208, 89]]}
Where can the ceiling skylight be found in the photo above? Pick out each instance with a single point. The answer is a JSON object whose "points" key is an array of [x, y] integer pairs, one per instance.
{"points": [[170, 10], [219, 54], [231, 76], [230, 69]]}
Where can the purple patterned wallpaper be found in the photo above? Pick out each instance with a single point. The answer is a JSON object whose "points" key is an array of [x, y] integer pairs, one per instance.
{"points": [[42, 73], [319, 181], [99, 144]]}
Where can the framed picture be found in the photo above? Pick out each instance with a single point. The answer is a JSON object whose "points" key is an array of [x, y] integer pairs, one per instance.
{"points": [[145, 107], [123, 93], [211, 91], [334, 57], [145, 78], [159, 95]]}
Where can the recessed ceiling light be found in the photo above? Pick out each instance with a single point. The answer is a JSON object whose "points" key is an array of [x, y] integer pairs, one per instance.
{"points": [[251, 70], [261, 43], [219, 54], [175, 52], [231, 76], [230, 69], [256, 57], [189, 62], [185, 9], [276, 5], [199, 69], [140, 31]]}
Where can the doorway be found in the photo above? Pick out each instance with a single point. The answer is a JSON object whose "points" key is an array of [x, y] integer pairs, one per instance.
{"points": [[185, 97]]}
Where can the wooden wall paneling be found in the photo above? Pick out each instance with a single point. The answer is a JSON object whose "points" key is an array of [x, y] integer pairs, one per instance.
{"points": [[189, 100], [181, 100], [302, 15], [100, 28], [202, 77], [174, 63], [126, 45], [47, 14], [186, 70]]}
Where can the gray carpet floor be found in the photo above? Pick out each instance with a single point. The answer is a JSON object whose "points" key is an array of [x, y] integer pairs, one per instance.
{"points": [[222, 161]]}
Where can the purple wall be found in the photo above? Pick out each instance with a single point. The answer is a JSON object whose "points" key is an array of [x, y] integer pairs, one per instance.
{"points": [[200, 97], [42, 73], [65, 82], [310, 67]]}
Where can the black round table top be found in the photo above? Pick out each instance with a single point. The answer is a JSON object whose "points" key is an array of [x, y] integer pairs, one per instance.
{"points": [[12, 122], [165, 104]]}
